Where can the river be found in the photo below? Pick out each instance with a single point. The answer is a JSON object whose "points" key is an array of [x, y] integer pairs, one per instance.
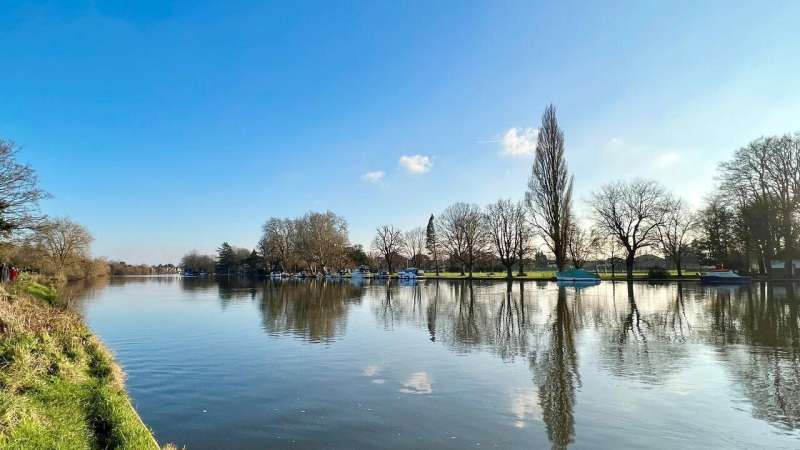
{"points": [[312, 365]]}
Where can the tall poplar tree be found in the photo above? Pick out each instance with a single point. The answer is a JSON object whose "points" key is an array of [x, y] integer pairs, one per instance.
{"points": [[549, 195]]}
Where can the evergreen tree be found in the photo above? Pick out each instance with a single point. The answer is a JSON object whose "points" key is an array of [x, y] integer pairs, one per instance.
{"points": [[226, 259], [430, 243], [254, 264]]}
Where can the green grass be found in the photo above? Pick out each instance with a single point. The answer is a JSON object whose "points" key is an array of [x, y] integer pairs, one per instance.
{"points": [[40, 291], [59, 387], [499, 275], [543, 275]]}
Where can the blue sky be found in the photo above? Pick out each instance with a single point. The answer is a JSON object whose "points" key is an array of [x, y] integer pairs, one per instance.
{"points": [[170, 126]]}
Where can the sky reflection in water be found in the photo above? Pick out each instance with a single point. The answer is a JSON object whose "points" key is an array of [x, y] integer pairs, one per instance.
{"points": [[453, 365]]}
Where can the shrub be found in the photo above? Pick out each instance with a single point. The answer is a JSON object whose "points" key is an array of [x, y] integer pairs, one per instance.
{"points": [[658, 273]]}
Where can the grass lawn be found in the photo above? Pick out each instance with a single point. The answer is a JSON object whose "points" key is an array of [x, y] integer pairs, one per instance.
{"points": [[59, 387], [542, 275]]}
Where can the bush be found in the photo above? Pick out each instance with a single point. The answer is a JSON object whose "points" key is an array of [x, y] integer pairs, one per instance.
{"points": [[658, 273]]}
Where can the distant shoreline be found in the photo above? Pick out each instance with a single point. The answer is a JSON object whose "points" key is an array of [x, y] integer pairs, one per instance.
{"points": [[481, 276]]}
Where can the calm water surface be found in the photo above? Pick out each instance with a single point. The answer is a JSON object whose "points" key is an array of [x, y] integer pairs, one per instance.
{"points": [[312, 365]]}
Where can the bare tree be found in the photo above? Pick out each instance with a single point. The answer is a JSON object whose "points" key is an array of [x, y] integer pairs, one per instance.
{"points": [[502, 220], [581, 244], [525, 234], [278, 242], [761, 185], [64, 241], [196, 262], [549, 195], [453, 239], [414, 244], [19, 193], [744, 182], [322, 239], [784, 183], [474, 234], [463, 235], [716, 240], [388, 242], [674, 233], [608, 248], [631, 212]]}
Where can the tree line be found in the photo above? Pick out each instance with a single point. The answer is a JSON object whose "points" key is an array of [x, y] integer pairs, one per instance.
{"points": [[316, 242], [32, 241], [749, 221]]}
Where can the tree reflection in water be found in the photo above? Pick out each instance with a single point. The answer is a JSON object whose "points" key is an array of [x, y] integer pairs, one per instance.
{"points": [[645, 334], [313, 310], [555, 370], [767, 370]]}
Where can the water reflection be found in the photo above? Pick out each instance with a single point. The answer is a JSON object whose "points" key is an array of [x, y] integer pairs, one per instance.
{"points": [[567, 340], [555, 369], [315, 310], [647, 334]]}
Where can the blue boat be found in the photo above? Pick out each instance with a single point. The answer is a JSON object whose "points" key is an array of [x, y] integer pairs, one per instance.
{"points": [[722, 276], [577, 276]]}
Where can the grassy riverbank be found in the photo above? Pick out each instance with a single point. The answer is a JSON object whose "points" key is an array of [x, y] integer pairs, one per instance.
{"points": [[59, 387]]}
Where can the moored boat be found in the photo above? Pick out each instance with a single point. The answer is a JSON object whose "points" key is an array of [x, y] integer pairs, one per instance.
{"points": [[411, 273], [577, 276], [723, 276], [361, 272]]}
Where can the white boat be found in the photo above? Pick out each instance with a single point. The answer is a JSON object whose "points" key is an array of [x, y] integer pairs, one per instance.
{"points": [[411, 273], [722, 276], [361, 272]]}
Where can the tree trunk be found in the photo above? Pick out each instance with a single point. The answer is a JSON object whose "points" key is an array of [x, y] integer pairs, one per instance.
{"points": [[678, 266], [509, 273], [629, 260], [788, 250], [521, 272]]}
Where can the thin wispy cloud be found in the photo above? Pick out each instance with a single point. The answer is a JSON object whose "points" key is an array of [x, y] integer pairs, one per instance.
{"points": [[685, 171], [667, 159], [519, 141], [374, 177], [416, 164]]}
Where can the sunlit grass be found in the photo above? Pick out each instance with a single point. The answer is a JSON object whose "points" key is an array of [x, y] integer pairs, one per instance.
{"points": [[544, 275], [59, 387], [40, 291]]}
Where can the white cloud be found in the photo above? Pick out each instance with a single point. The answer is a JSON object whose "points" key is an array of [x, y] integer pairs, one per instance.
{"points": [[371, 371], [418, 383], [416, 164], [374, 177], [520, 141]]}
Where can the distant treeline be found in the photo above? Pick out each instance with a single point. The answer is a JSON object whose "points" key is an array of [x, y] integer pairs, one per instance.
{"points": [[118, 268]]}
